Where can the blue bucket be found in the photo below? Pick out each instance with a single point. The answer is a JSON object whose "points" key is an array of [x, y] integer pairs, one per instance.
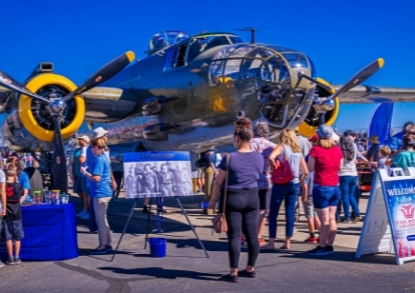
{"points": [[157, 247]]}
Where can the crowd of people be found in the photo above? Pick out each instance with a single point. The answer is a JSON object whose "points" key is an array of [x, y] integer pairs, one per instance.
{"points": [[92, 180], [322, 174]]}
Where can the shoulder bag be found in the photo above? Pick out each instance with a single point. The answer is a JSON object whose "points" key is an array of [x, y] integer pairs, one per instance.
{"points": [[219, 221], [282, 173]]}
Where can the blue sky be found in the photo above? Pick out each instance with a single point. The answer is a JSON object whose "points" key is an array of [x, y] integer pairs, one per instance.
{"points": [[339, 36]]}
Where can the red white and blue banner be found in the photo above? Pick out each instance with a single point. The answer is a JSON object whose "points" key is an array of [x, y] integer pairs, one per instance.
{"points": [[400, 196], [389, 224]]}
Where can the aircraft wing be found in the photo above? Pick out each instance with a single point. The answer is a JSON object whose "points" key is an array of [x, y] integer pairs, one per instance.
{"points": [[370, 94]]}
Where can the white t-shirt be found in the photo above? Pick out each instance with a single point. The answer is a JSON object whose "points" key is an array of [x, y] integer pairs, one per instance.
{"points": [[83, 151]]}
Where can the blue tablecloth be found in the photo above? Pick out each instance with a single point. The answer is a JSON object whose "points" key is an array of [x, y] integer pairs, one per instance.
{"points": [[50, 233]]}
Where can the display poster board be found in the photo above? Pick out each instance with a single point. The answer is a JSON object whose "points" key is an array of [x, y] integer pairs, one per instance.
{"points": [[157, 174], [389, 225]]}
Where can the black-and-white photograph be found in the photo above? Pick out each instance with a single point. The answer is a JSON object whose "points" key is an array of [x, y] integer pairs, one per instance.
{"points": [[158, 179]]}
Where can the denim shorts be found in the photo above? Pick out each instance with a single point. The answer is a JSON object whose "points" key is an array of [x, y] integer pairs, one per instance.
{"points": [[12, 230], [325, 196]]}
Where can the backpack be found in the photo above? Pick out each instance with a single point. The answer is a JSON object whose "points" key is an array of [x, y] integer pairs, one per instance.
{"points": [[282, 173]]}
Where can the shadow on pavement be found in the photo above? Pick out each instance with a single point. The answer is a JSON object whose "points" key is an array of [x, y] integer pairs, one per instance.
{"points": [[209, 245], [163, 273], [344, 256]]}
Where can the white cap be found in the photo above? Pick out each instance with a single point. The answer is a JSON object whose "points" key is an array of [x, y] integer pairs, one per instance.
{"points": [[84, 137], [99, 132]]}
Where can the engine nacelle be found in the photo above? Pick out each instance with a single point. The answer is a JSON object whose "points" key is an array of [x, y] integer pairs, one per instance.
{"points": [[310, 124], [30, 127]]}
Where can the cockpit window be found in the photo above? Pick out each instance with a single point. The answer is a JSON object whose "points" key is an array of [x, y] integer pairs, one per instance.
{"points": [[296, 60], [199, 45], [235, 40], [164, 39], [202, 43]]}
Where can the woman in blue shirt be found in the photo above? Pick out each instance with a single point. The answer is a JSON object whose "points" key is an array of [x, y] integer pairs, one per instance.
{"points": [[99, 184]]}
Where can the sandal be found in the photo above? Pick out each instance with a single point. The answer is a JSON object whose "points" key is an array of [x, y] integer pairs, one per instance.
{"points": [[266, 247], [247, 274], [284, 247]]}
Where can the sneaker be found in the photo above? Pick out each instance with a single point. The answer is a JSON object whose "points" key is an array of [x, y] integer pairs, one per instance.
{"points": [[80, 214], [319, 251], [229, 278], [10, 261], [358, 219], [330, 249], [17, 260], [85, 216], [145, 209], [347, 221], [247, 274], [311, 240]]}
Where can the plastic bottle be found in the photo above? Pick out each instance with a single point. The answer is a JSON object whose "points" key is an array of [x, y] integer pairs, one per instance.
{"points": [[205, 205]]}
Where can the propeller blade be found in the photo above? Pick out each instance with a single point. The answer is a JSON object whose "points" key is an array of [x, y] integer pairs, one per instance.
{"points": [[360, 77], [8, 82], [59, 170], [102, 75]]}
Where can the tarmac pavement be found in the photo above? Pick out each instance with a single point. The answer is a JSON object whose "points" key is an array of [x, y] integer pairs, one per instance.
{"points": [[186, 268]]}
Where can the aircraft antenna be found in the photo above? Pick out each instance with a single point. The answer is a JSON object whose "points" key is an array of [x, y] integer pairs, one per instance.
{"points": [[249, 29]]}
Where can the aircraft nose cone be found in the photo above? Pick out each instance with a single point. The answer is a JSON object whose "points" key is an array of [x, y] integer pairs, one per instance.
{"points": [[58, 105]]}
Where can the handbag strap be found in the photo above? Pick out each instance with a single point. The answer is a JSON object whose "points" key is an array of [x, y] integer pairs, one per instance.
{"points": [[225, 193]]}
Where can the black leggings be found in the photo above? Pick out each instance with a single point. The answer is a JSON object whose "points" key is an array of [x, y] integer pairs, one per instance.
{"points": [[242, 209]]}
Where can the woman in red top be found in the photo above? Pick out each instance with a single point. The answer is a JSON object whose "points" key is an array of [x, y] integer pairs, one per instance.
{"points": [[325, 159]]}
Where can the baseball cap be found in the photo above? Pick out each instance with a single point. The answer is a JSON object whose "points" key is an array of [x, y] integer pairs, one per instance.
{"points": [[349, 133], [325, 131], [314, 138], [84, 137], [99, 132]]}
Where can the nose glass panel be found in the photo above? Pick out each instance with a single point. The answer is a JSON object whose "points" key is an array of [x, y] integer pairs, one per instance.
{"points": [[270, 70]]}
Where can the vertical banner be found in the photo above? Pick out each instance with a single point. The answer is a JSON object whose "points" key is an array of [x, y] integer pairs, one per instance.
{"points": [[157, 174], [400, 195], [381, 122]]}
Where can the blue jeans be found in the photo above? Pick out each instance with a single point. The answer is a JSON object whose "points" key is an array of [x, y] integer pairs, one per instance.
{"points": [[289, 194], [348, 186]]}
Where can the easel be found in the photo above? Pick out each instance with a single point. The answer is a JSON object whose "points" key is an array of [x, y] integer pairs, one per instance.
{"points": [[148, 226]]}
